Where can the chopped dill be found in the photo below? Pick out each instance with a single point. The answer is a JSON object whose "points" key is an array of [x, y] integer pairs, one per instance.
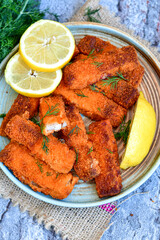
{"points": [[53, 110], [90, 132], [77, 153], [44, 144], [91, 150], [40, 166], [94, 88], [123, 131], [2, 115], [48, 174], [97, 64], [57, 175], [75, 130], [69, 63], [34, 119], [81, 94], [89, 13], [109, 150], [113, 81], [99, 109]]}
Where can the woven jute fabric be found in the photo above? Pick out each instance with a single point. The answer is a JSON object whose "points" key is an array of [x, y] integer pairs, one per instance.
{"points": [[71, 223]]}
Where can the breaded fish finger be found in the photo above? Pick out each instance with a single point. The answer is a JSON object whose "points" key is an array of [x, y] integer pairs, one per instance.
{"points": [[20, 105], [80, 74], [93, 104], [109, 182], [49, 149], [34, 172], [86, 165], [52, 114]]}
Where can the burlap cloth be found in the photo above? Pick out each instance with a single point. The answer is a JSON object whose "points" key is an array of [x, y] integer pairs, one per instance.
{"points": [[71, 223]]}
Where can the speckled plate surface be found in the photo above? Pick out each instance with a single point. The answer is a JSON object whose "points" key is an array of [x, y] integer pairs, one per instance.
{"points": [[84, 194]]}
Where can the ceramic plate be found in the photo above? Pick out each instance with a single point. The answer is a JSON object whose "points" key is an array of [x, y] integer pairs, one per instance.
{"points": [[84, 194]]}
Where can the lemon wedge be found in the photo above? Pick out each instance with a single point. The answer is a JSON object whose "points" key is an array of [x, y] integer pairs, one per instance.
{"points": [[141, 134], [29, 82], [47, 46]]}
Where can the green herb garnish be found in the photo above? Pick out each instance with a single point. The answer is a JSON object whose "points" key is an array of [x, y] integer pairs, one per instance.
{"points": [[2, 115], [91, 150], [57, 175], [123, 131], [89, 13], [48, 174], [113, 81], [40, 166], [15, 18], [98, 64], [109, 150], [81, 94], [75, 130], [77, 153], [99, 109], [51, 111], [44, 144], [94, 88], [34, 119], [90, 132], [69, 63]]}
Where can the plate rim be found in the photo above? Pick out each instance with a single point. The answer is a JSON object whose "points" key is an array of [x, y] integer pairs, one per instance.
{"points": [[142, 179]]}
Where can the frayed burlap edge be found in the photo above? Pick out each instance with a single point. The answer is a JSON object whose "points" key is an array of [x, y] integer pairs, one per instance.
{"points": [[71, 223]]}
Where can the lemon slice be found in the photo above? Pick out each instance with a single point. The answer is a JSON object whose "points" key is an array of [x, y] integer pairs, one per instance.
{"points": [[141, 134], [29, 82], [47, 45]]}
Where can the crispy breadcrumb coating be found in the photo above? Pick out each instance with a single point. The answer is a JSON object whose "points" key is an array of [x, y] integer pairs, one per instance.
{"points": [[49, 149], [36, 173], [109, 182]]}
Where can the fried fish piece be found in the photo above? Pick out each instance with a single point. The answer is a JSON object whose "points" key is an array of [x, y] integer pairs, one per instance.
{"points": [[76, 52], [21, 105], [80, 73], [52, 114], [86, 165], [93, 104], [49, 149], [109, 182], [123, 93], [90, 43], [135, 76], [35, 173]]}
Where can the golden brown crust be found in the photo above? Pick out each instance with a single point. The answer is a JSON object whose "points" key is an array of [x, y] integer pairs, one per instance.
{"points": [[88, 43], [57, 155], [34, 172], [86, 165], [76, 52], [80, 73], [95, 105], [123, 94], [21, 104], [109, 182], [56, 103]]}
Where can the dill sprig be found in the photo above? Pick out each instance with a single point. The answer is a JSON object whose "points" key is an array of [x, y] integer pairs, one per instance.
{"points": [[44, 144], [75, 130], [109, 150], [15, 18], [48, 174], [53, 110], [34, 120], [90, 132], [57, 175], [97, 64], [89, 13], [94, 88], [81, 94], [99, 109], [90, 150], [123, 131], [40, 166], [2, 115], [113, 81], [77, 153]]}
